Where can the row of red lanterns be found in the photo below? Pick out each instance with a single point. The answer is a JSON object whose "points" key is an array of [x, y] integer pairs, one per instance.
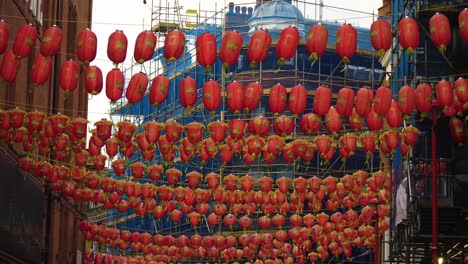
{"points": [[349, 192], [261, 246], [231, 46]]}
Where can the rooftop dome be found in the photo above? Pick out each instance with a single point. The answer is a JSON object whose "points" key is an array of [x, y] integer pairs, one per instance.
{"points": [[274, 16]]}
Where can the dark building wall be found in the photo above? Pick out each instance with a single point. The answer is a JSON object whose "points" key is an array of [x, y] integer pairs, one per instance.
{"points": [[60, 239]]}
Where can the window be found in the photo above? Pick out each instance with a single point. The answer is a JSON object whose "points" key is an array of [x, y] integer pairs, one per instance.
{"points": [[35, 6]]}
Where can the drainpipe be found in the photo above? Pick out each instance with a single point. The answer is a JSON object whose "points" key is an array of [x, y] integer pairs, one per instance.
{"points": [[434, 183]]}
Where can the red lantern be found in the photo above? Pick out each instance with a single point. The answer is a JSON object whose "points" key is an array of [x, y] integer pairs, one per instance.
{"points": [[194, 131], [237, 128], [310, 123], [235, 96], [144, 46], [461, 90], [316, 43], [114, 85], [408, 34], [373, 120], [253, 95], [125, 131], [188, 93], [51, 41], [211, 96], [34, 121], [259, 126], [457, 131], [348, 143], [277, 99], [287, 44], [137, 169], [4, 36], [206, 50], [391, 139], [381, 36], [444, 92], [213, 180], [423, 98], [9, 66], [462, 24], [345, 101], [69, 76], [355, 120], [230, 49], [297, 100], [217, 131], [25, 40], [173, 176], [283, 125], [441, 34], [364, 98], [406, 100], [394, 118], [382, 100], [346, 42], [152, 131], [368, 142], [333, 121], [86, 46], [259, 46], [410, 135], [137, 87], [159, 90], [117, 47], [93, 80], [322, 100], [174, 45], [173, 131], [40, 71]]}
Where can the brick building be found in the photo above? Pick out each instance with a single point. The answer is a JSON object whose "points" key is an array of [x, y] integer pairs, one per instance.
{"points": [[35, 225]]}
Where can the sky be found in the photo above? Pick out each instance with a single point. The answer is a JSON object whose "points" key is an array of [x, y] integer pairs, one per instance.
{"points": [[134, 16]]}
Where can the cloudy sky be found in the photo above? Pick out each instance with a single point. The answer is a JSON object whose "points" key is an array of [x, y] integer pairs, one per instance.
{"points": [[134, 16]]}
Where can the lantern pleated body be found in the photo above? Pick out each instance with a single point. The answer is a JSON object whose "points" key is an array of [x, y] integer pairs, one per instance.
{"points": [[297, 101], [333, 121], [25, 40], [4, 36], [259, 45], [86, 46], [137, 87], [174, 45], [394, 118], [346, 42], [444, 93], [206, 50], [93, 80], [381, 36], [211, 95], [159, 90], [406, 99], [408, 34], [69, 76], [51, 41], [374, 121], [461, 90], [441, 34], [41, 68], [457, 131], [188, 92], [364, 98], [345, 101], [252, 96], [114, 85], [322, 100], [235, 96], [230, 49], [423, 98], [9, 66], [277, 99], [144, 46], [316, 43], [117, 47], [382, 100], [287, 44], [462, 24]]}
